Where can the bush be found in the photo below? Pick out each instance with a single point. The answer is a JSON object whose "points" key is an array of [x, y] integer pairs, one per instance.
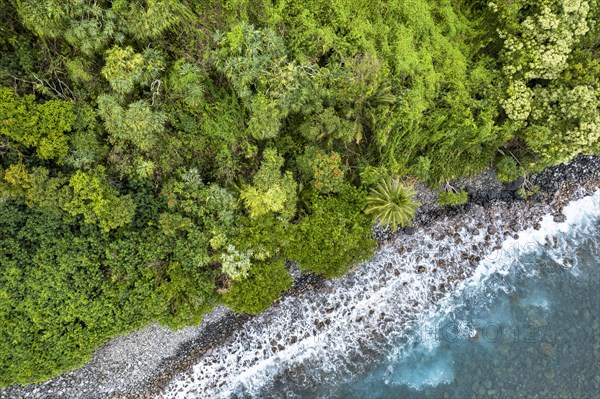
{"points": [[508, 170], [323, 169], [453, 198], [265, 283], [335, 236]]}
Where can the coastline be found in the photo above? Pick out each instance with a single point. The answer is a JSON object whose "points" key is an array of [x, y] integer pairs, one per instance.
{"points": [[492, 215]]}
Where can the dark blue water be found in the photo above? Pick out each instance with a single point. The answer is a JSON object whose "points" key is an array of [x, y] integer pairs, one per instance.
{"points": [[532, 331]]}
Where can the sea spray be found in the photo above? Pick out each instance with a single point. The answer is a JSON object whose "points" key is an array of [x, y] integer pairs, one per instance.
{"points": [[331, 335], [518, 326], [418, 364]]}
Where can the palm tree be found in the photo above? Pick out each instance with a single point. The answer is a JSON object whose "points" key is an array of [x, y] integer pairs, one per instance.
{"points": [[392, 204]]}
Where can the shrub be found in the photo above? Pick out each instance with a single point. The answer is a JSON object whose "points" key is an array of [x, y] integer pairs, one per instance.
{"points": [[392, 204], [508, 170], [335, 236], [265, 283], [324, 169], [453, 198]]}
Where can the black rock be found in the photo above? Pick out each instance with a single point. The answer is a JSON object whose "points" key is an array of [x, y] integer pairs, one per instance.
{"points": [[560, 218], [409, 230], [515, 185]]}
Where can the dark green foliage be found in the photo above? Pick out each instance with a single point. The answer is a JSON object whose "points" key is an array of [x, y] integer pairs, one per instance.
{"points": [[52, 303], [265, 283], [335, 236], [159, 156]]}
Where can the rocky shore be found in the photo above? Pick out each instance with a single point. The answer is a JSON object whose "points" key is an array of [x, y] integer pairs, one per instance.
{"points": [[142, 364]]}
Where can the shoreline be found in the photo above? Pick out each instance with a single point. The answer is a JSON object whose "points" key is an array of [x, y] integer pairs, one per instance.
{"points": [[493, 214], [559, 185]]}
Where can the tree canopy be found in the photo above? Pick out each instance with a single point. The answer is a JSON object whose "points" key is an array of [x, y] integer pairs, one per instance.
{"points": [[159, 157]]}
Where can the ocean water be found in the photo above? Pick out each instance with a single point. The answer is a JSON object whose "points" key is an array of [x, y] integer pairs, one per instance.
{"points": [[532, 331], [524, 324]]}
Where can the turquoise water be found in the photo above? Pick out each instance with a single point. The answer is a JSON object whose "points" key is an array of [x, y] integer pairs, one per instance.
{"points": [[533, 333]]}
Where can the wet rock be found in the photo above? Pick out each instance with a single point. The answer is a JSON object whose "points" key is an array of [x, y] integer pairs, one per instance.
{"points": [[560, 218], [514, 185], [549, 374]]}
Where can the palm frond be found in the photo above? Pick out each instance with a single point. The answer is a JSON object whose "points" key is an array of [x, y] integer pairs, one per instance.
{"points": [[392, 204]]}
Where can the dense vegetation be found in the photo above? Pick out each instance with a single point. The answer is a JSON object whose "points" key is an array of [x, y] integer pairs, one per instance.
{"points": [[159, 157]]}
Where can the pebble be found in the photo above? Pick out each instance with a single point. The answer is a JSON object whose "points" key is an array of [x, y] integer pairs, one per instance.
{"points": [[549, 374]]}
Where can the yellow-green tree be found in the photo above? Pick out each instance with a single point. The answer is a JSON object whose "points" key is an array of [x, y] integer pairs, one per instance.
{"points": [[98, 202], [272, 191], [30, 124]]}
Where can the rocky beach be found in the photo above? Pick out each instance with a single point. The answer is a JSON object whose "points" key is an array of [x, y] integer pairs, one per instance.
{"points": [[425, 263]]}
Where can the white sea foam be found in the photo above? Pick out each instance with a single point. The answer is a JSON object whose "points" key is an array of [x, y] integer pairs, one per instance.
{"points": [[582, 217], [329, 335]]}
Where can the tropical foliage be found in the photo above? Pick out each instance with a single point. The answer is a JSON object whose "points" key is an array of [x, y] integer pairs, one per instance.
{"points": [[392, 204], [452, 198], [160, 157]]}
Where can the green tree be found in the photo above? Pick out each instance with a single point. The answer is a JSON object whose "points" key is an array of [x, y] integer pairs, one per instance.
{"points": [[555, 118], [124, 68], [138, 124], [39, 125], [187, 82], [270, 86], [392, 204], [272, 190], [98, 201]]}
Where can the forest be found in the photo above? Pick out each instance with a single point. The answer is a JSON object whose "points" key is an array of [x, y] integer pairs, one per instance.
{"points": [[159, 158]]}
